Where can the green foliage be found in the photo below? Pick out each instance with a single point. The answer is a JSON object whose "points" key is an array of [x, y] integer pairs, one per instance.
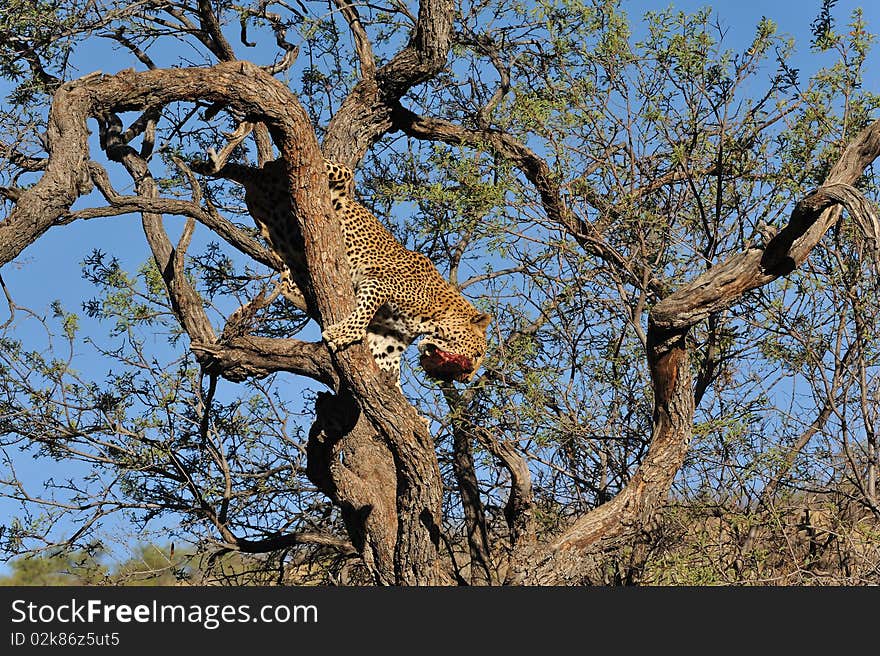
{"points": [[147, 565], [28, 27], [75, 568]]}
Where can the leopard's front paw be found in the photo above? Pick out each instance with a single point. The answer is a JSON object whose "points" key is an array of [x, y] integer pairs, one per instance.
{"points": [[338, 336], [328, 336]]}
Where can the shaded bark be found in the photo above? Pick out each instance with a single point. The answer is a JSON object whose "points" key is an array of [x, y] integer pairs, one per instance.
{"points": [[631, 513], [536, 170], [349, 464]]}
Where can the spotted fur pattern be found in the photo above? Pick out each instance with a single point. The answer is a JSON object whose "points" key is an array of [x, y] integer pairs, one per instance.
{"points": [[400, 294]]}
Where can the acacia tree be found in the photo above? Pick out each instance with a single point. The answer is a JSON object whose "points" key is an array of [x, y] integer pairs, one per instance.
{"points": [[630, 210]]}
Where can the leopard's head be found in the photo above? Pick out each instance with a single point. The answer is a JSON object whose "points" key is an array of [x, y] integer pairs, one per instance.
{"points": [[455, 350]]}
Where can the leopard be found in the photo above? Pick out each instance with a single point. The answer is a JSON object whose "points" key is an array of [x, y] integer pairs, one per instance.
{"points": [[400, 295]]}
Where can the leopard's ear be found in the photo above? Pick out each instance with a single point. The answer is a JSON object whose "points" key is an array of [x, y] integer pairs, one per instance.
{"points": [[482, 320]]}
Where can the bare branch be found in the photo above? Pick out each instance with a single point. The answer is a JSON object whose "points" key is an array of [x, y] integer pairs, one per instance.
{"points": [[212, 34], [723, 284], [23, 161], [9, 302], [361, 40], [119, 36]]}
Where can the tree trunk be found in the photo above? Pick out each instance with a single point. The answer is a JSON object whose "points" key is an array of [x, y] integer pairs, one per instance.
{"points": [[385, 430], [576, 554]]}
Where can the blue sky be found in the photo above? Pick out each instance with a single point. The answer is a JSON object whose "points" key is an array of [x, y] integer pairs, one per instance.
{"points": [[58, 254]]}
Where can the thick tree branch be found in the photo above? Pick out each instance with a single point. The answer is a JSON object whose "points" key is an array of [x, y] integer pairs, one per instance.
{"points": [[250, 356], [187, 304], [722, 285]]}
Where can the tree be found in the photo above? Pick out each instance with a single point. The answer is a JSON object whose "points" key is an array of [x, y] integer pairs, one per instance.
{"points": [[634, 203]]}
